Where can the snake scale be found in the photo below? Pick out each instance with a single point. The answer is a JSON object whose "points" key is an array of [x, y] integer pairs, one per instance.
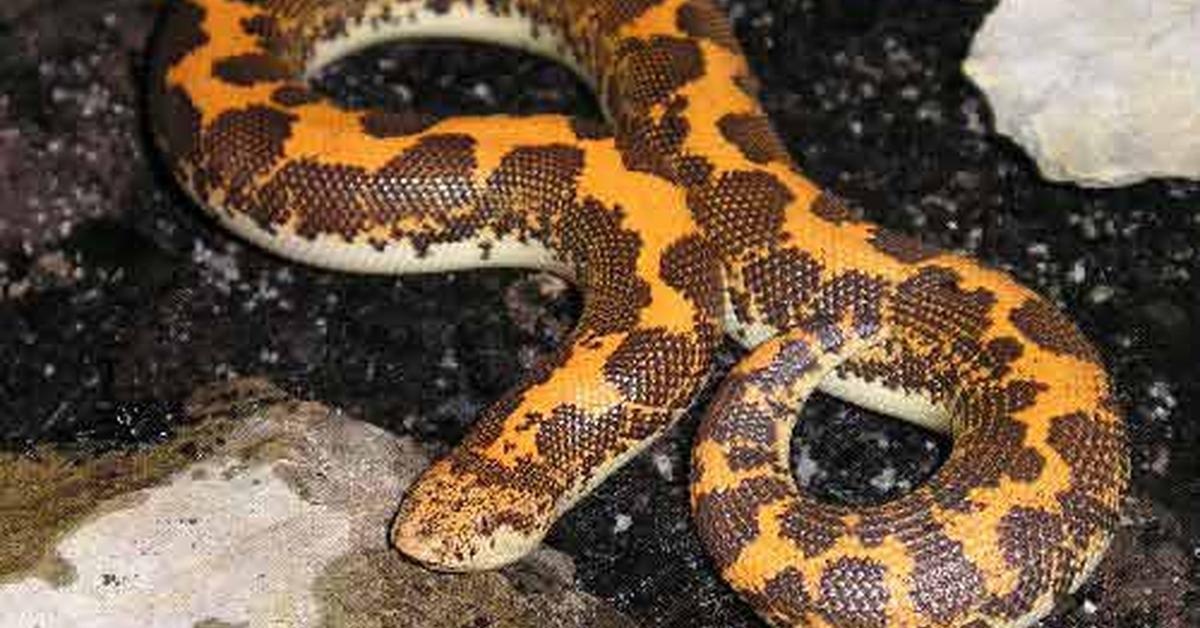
{"points": [[681, 219]]}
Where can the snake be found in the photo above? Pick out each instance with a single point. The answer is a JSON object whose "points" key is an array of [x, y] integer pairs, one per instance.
{"points": [[682, 219]]}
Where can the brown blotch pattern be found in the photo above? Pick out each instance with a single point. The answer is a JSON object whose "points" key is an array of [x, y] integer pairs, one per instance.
{"points": [[741, 211], [1031, 542], [853, 593], [790, 277], [830, 207], [531, 185], [944, 581], [429, 179], [590, 128], [606, 256], [1091, 448], [853, 292], [250, 69], [692, 267], [786, 595], [571, 438], [752, 134], [999, 354], [932, 305], [903, 248], [704, 20], [294, 95], [649, 364], [812, 527], [747, 422], [649, 72], [385, 124], [723, 520], [794, 360], [654, 145], [181, 34], [242, 144], [1043, 324]]}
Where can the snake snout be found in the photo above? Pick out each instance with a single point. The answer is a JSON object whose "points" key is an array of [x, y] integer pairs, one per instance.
{"points": [[456, 522]]}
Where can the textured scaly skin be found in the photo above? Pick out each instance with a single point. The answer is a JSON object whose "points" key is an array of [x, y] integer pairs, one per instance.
{"points": [[682, 220]]}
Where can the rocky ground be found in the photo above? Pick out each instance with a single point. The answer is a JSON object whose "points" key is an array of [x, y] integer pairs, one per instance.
{"points": [[117, 298]]}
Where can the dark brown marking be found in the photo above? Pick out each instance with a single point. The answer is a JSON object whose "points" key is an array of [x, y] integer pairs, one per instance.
{"points": [[746, 457], [531, 185], [385, 124], [1031, 542], [490, 522], [265, 28], [740, 421], [1095, 452], [945, 583], [606, 256], [182, 32], [1020, 395], [251, 69], [743, 210], [242, 144], [654, 145], [853, 292], [853, 593], [811, 526], [691, 266], [429, 179], [1047, 327], [748, 84], [830, 207], [292, 95], [782, 282], [793, 361], [726, 518], [705, 20], [786, 596], [999, 354], [649, 366], [1027, 466], [991, 437], [649, 72], [932, 305], [902, 248], [590, 128], [752, 134], [572, 439]]}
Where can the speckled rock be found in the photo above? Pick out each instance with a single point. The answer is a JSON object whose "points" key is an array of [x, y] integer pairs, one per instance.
{"points": [[267, 512], [1100, 93]]}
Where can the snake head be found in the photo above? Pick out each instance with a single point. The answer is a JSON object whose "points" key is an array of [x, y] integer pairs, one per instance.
{"points": [[457, 520]]}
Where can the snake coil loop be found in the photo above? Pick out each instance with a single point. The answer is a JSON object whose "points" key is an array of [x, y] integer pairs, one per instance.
{"points": [[682, 220]]}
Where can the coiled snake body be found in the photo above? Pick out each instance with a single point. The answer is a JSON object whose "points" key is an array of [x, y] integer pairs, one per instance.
{"points": [[682, 220]]}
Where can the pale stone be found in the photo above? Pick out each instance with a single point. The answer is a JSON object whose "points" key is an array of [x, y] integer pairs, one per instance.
{"points": [[1099, 92], [281, 522]]}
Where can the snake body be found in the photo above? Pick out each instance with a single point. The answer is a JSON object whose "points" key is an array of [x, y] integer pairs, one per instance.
{"points": [[681, 220]]}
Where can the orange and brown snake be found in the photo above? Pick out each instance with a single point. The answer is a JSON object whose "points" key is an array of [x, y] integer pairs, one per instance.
{"points": [[682, 219]]}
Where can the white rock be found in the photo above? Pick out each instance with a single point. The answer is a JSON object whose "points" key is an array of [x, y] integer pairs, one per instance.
{"points": [[1100, 92], [282, 522]]}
